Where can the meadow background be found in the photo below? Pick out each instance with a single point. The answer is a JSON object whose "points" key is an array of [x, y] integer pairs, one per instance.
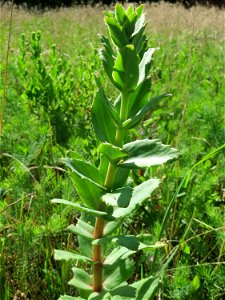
{"points": [[53, 60]]}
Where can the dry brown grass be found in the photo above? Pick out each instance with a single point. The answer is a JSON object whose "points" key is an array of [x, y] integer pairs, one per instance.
{"points": [[172, 19], [80, 25]]}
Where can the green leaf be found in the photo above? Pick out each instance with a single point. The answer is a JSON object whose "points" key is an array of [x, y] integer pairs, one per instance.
{"points": [[118, 254], [130, 10], [139, 194], [146, 153], [85, 246], [116, 32], [126, 71], [139, 98], [65, 297], [110, 227], [120, 13], [96, 213], [139, 10], [120, 197], [82, 229], [66, 255], [87, 180], [120, 178], [84, 169], [140, 23], [113, 153], [152, 103], [107, 57], [144, 65], [89, 192], [146, 288], [196, 283], [139, 40], [129, 241], [114, 276], [104, 117], [81, 280], [124, 292]]}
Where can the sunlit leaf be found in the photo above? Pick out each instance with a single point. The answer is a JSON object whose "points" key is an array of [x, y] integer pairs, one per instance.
{"points": [[112, 152], [104, 117], [81, 280], [126, 71], [120, 13], [144, 65], [107, 57], [96, 213], [66, 255], [151, 104], [115, 31], [135, 198], [129, 241], [118, 254], [83, 229], [84, 169], [65, 297], [147, 153], [146, 288], [87, 180], [114, 276]]}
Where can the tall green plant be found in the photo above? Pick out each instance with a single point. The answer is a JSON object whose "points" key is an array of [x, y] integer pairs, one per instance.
{"points": [[52, 87], [108, 194]]}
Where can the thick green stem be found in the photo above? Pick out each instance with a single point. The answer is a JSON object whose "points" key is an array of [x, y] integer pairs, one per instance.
{"points": [[109, 181], [112, 169]]}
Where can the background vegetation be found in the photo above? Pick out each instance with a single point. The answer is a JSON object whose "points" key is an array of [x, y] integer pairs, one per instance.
{"points": [[52, 63], [68, 3]]}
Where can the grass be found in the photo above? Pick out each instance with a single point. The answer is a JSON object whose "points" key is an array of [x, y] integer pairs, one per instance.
{"points": [[189, 64]]}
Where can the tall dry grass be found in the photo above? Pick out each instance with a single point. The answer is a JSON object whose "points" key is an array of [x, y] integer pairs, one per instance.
{"points": [[67, 26]]}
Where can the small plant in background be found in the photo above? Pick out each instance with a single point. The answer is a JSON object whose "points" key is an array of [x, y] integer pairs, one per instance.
{"points": [[110, 192], [51, 87]]}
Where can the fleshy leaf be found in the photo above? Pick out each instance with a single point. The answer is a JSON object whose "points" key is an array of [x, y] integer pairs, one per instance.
{"points": [[139, 41], [114, 276], [87, 180], [118, 254], [66, 297], [139, 97], [126, 292], [112, 152], [120, 197], [146, 153], [104, 117], [89, 192], [152, 103], [126, 71], [120, 178], [116, 32], [139, 24], [84, 169], [129, 241], [96, 213], [107, 57], [85, 246], [81, 280], [139, 194], [146, 288], [120, 13], [82, 229], [66, 255], [144, 65]]}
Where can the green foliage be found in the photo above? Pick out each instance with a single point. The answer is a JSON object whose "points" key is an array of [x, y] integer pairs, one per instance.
{"points": [[95, 186], [189, 64], [50, 83]]}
